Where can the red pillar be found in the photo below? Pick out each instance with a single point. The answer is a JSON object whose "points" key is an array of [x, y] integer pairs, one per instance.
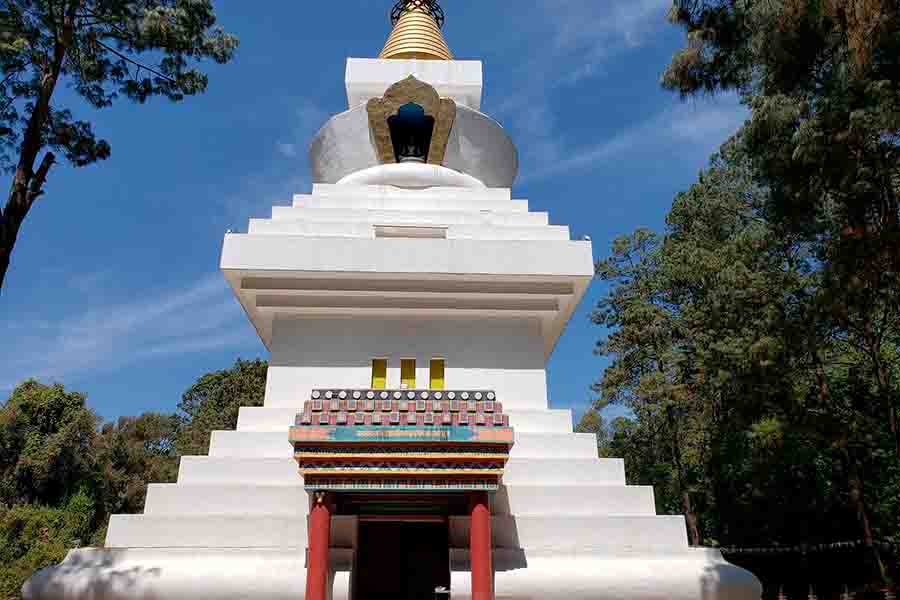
{"points": [[480, 547], [319, 538]]}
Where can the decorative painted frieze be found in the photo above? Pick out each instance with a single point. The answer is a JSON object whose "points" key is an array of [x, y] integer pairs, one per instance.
{"points": [[348, 439]]}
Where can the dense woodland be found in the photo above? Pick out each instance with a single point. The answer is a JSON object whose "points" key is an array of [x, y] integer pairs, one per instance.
{"points": [[754, 342]]}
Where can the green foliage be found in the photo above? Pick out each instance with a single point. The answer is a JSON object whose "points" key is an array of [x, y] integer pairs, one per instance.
{"points": [[822, 80], [753, 411], [33, 537], [101, 50], [593, 422], [46, 445], [132, 453], [62, 475], [213, 403], [97, 47]]}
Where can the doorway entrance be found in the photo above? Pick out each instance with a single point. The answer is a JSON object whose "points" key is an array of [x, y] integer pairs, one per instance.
{"points": [[402, 560]]}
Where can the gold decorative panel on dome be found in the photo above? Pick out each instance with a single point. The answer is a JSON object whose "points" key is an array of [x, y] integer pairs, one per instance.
{"points": [[411, 91], [402, 440]]}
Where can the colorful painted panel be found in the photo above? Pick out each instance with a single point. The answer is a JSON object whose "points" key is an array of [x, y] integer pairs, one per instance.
{"points": [[402, 440], [402, 434]]}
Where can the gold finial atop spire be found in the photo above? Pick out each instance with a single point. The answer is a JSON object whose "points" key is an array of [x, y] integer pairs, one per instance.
{"points": [[417, 32]]}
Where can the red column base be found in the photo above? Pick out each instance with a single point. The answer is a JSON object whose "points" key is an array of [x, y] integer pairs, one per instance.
{"points": [[319, 541], [481, 547]]}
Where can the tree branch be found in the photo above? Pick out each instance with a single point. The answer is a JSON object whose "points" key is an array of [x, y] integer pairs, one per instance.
{"points": [[36, 187], [101, 20], [134, 62]]}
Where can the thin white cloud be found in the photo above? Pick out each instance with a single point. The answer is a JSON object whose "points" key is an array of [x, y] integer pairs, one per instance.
{"points": [[275, 185], [201, 317], [587, 34], [197, 318], [697, 129], [308, 118], [576, 37], [575, 42], [287, 150]]}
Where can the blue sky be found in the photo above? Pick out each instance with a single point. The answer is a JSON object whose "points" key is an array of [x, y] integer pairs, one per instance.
{"points": [[114, 288]]}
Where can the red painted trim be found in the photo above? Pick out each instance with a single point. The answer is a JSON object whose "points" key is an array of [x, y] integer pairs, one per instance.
{"points": [[480, 547]]}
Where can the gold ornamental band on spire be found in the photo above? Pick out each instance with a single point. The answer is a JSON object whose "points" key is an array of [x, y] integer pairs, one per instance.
{"points": [[417, 32]]}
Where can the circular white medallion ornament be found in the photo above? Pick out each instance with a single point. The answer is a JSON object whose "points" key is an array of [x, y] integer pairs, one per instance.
{"points": [[370, 395], [342, 395], [397, 395], [384, 395], [438, 395], [356, 395], [328, 394], [478, 396], [316, 394], [452, 395], [491, 395], [465, 395], [424, 395], [411, 395]]}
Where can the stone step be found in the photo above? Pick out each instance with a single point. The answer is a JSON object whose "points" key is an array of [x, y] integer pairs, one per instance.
{"points": [[347, 229], [293, 501], [331, 190], [261, 418], [408, 217], [227, 499], [284, 254], [264, 444], [181, 574], [367, 230], [536, 535], [565, 471], [694, 574], [567, 535], [220, 531], [152, 531], [494, 232], [205, 470], [573, 500], [424, 203]]}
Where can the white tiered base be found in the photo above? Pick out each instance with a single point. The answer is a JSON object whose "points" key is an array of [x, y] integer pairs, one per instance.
{"points": [[234, 526]]}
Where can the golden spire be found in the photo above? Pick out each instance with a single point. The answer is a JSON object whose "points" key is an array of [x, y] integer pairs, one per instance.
{"points": [[417, 32]]}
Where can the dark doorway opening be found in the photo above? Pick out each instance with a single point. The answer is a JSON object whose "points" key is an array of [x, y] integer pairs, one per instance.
{"points": [[402, 560], [411, 131]]}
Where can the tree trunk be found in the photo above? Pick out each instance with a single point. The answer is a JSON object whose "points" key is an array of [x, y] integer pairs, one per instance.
{"points": [[885, 386], [873, 342], [27, 184], [720, 495], [686, 507], [856, 502], [691, 518], [25, 190]]}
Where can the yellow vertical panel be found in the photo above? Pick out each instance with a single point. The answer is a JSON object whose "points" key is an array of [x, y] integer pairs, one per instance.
{"points": [[379, 374], [437, 374], [408, 373]]}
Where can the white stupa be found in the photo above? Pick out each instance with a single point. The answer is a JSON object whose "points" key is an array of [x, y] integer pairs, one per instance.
{"points": [[410, 305]]}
